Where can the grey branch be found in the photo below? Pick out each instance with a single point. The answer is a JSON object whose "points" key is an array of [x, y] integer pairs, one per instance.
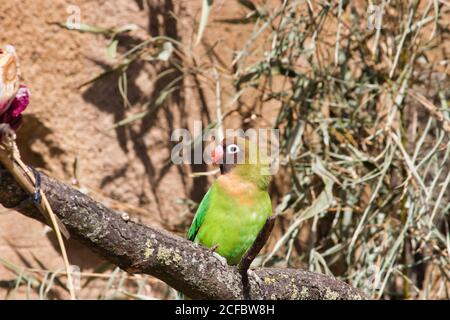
{"points": [[185, 266]]}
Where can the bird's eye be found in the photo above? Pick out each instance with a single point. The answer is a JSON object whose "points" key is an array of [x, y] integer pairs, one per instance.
{"points": [[232, 148]]}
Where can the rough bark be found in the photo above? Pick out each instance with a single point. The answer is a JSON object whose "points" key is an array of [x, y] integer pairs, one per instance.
{"points": [[185, 266]]}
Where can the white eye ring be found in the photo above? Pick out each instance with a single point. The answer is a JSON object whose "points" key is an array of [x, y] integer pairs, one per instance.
{"points": [[232, 149]]}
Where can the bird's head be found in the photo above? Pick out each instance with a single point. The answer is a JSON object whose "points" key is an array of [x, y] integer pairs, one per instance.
{"points": [[243, 157]]}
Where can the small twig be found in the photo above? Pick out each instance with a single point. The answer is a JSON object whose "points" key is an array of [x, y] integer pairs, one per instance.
{"points": [[431, 109], [219, 116], [10, 158], [375, 48], [402, 41], [410, 164], [338, 34]]}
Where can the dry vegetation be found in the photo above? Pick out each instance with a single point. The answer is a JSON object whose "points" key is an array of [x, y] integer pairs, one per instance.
{"points": [[363, 188]]}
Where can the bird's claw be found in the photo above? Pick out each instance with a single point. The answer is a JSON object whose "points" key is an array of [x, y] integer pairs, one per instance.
{"points": [[252, 274], [218, 256]]}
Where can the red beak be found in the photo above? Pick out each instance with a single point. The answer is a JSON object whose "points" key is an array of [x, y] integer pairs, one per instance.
{"points": [[217, 154]]}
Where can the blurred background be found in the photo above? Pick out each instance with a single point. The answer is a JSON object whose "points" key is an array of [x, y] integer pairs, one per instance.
{"points": [[358, 89]]}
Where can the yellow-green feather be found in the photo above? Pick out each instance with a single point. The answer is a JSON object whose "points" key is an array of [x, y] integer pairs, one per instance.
{"points": [[236, 207], [229, 222]]}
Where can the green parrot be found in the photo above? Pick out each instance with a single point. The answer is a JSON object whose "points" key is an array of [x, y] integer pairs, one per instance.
{"points": [[237, 205]]}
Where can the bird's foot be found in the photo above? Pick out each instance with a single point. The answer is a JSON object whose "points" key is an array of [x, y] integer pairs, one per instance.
{"points": [[218, 256], [252, 274]]}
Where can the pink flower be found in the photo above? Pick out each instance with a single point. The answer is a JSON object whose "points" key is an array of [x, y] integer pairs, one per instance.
{"points": [[13, 115], [9, 76]]}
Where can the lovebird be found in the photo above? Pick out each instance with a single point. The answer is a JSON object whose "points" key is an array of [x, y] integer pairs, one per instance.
{"points": [[237, 205]]}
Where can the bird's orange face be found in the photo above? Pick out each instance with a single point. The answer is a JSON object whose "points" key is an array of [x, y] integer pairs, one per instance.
{"points": [[9, 76]]}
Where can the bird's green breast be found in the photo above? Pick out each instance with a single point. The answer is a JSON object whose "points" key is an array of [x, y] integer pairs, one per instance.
{"points": [[233, 219]]}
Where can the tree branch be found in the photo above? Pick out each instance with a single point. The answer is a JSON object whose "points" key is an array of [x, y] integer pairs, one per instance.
{"points": [[185, 266]]}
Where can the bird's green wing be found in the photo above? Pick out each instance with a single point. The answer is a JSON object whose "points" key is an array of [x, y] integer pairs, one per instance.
{"points": [[199, 216]]}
